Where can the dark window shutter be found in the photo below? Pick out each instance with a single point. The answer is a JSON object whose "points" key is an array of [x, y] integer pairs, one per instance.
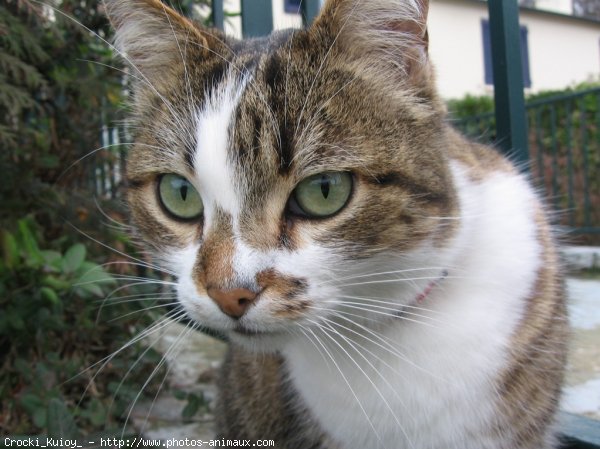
{"points": [[292, 6], [487, 54]]}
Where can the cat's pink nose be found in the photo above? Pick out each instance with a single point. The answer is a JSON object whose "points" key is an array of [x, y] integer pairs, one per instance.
{"points": [[233, 302]]}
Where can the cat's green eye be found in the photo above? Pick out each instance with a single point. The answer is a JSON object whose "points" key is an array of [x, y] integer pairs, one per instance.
{"points": [[179, 197], [321, 195]]}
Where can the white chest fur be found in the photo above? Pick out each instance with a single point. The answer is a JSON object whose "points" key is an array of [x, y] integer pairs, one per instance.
{"points": [[430, 382]]}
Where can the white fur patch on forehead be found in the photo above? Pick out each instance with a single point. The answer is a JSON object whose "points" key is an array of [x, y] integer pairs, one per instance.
{"points": [[214, 171]]}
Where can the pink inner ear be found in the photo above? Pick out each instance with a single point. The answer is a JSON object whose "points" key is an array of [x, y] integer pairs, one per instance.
{"points": [[413, 28], [424, 8], [417, 27]]}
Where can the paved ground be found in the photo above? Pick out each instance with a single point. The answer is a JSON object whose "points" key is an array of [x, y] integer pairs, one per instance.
{"points": [[192, 370], [200, 356], [582, 395]]}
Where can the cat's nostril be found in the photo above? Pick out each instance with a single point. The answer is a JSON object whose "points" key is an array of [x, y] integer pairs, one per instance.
{"points": [[234, 302]]}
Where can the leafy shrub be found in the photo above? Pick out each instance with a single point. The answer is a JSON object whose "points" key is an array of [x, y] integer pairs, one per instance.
{"points": [[52, 330], [564, 147], [58, 90]]}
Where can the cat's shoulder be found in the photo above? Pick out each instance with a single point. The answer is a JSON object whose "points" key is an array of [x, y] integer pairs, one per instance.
{"points": [[480, 161]]}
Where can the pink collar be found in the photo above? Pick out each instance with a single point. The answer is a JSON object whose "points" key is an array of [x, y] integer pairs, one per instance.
{"points": [[423, 295]]}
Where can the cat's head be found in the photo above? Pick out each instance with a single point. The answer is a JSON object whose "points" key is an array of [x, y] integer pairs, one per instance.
{"points": [[282, 179]]}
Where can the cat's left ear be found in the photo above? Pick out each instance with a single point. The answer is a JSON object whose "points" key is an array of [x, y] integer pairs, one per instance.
{"points": [[386, 38], [154, 38]]}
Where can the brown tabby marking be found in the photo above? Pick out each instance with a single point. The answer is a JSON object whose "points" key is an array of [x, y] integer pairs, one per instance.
{"points": [[240, 412], [288, 292], [480, 161], [538, 352]]}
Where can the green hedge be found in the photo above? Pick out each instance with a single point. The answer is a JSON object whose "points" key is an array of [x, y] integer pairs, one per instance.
{"points": [[57, 89], [474, 105], [564, 146]]}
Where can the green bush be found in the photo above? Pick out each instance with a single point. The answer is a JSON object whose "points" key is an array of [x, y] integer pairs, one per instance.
{"points": [[54, 331], [470, 105], [564, 147], [58, 87]]}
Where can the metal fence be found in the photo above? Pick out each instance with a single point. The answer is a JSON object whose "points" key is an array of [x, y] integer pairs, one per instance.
{"points": [[105, 166], [564, 146]]}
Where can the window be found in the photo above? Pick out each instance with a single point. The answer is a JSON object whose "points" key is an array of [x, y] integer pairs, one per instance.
{"points": [[292, 6], [487, 54]]}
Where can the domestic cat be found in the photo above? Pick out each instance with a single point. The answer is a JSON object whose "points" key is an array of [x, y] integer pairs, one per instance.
{"points": [[383, 282]]}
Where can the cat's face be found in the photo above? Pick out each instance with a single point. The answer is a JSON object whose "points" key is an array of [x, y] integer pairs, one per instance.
{"points": [[278, 178]]}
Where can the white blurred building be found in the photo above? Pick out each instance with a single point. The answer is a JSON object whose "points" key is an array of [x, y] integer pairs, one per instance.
{"points": [[559, 50]]}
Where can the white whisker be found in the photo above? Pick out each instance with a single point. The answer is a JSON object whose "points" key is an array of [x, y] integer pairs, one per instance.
{"points": [[154, 267], [386, 343], [175, 345], [145, 309], [381, 273], [399, 309], [387, 314], [345, 380], [142, 335], [304, 331], [368, 378], [153, 296]]}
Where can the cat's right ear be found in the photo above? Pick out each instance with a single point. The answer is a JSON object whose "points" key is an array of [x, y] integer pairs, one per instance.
{"points": [[385, 40], [154, 38]]}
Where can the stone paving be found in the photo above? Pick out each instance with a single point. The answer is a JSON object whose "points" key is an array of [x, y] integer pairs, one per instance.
{"points": [[192, 370], [582, 394]]}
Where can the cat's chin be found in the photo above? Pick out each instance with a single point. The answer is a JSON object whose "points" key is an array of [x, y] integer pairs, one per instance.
{"points": [[257, 341]]}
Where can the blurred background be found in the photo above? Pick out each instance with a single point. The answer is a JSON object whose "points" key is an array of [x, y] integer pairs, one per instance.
{"points": [[72, 298]]}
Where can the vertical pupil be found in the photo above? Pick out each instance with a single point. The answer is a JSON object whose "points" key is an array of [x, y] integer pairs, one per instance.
{"points": [[325, 186], [183, 190]]}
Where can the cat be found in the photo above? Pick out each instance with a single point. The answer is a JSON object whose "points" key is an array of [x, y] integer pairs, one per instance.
{"points": [[383, 282]]}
